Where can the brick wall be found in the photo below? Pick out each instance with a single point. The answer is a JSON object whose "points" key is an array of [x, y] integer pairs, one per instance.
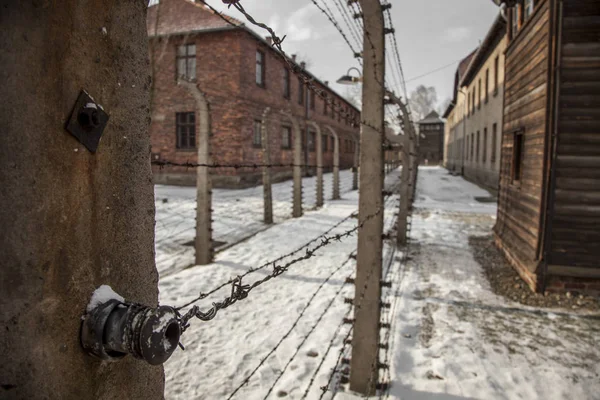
{"points": [[225, 72]]}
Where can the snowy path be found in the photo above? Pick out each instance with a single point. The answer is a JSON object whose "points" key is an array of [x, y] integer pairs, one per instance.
{"points": [[238, 214], [455, 339], [222, 353]]}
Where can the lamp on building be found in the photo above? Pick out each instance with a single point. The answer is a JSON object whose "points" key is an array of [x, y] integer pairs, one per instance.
{"points": [[349, 79]]}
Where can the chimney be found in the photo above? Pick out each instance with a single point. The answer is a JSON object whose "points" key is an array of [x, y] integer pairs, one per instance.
{"points": [[269, 40], [326, 83], [303, 65], [293, 57]]}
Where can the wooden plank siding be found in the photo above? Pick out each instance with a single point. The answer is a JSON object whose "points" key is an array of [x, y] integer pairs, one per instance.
{"points": [[517, 228], [574, 242]]}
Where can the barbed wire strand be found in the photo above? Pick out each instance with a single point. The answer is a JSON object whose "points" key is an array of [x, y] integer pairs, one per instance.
{"points": [[286, 335]]}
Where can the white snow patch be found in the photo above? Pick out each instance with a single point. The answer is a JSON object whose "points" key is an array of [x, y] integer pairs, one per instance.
{"points": [[101, 295]]}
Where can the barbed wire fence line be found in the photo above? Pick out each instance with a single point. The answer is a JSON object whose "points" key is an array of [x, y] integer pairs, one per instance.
{"points": [[353, 32]]}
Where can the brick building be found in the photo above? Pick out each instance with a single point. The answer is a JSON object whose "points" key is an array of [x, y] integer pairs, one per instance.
{"points": [[431, 139], [241, 75]]}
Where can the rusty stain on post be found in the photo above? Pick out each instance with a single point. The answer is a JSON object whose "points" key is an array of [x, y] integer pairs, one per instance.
{"points": [[204, 253], [266, 172]]}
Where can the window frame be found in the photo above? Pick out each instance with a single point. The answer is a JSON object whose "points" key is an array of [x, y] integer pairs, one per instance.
{"points": [[286, 130], [187, 58], [518, 155], [287, 87], [479, 96], [300, 91], [263, 67], [496, 74], [311, 139], [484, 148], [477, 146], [182, 125], [257, 135], [494, 139], [487, 86]]}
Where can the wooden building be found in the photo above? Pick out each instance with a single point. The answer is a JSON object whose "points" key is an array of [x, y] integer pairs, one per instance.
{"points": [[431, 139], [548, 221]]}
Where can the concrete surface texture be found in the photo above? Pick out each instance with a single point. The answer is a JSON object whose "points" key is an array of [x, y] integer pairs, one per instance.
{"points": [[72, 220]]}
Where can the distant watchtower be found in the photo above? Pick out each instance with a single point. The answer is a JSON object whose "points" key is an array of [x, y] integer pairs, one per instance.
{"points": [[431, 139]]}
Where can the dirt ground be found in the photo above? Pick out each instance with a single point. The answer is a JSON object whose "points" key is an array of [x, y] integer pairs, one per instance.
{"points": [[505, 281]]}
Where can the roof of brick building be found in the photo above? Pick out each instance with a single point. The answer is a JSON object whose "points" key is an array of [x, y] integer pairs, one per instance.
{"points": [[185, 17], [176, 17]]}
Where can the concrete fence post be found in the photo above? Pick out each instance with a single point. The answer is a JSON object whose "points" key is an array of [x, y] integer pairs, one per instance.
{"points": [[204, 251], [266, 171], [336, 164], [73, 218], [405, 186], [364, 369], [319, 144], [297, 168], [355, 164]]}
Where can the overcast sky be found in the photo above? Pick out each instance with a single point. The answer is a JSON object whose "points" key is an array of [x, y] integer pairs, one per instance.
{"points": [[430, 33]]}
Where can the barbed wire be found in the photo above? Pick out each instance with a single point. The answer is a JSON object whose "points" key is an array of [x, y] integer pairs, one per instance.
{"points": [[239, 291], [276, 44], [331, 19], [286, 335], [312, 329], [327, 350]]}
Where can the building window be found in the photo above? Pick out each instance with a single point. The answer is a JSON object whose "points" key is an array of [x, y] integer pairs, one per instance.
{"points": [[286, 83], [468, 147], [473, 101], [333, 143], [494, 138], [257, 133], [468, 105], [496, 74], [286, 137], [477, 148], [260, 68], [332, 109], [186, 130], [517, 19], [528, 9], [312, 99], [484, 155], [479, 97], [325, 142], [487, 85], [311, 140], [186, 61], [325, 106], [472, 145], [300, 90], [517, 161]]}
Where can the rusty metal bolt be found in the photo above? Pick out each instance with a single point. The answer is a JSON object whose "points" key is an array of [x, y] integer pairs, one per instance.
{"points": [[88, 117]]}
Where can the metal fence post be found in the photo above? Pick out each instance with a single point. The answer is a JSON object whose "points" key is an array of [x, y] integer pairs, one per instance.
{"points": [[266, 172], [402, 221], [204, 252], [365, 340]]}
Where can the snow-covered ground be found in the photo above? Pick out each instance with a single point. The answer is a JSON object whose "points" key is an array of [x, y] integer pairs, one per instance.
{"points": [[455, 339], [237, 215], [222, 353], [451, 337]]}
